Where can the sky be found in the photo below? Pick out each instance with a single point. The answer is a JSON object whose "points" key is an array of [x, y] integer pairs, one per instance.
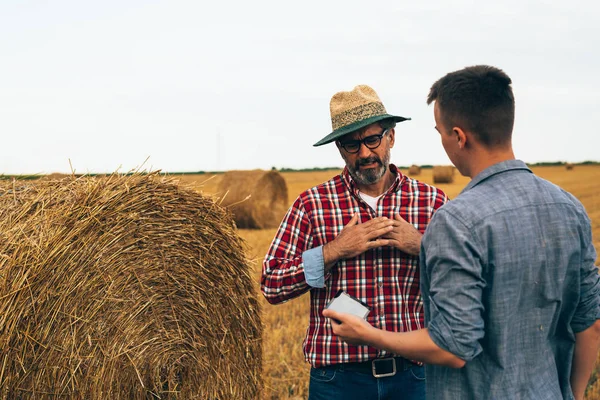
{"points": [[182, 86]]}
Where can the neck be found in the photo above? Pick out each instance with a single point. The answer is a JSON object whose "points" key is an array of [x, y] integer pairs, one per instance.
{"points": [[485, 158], [379, 187]]}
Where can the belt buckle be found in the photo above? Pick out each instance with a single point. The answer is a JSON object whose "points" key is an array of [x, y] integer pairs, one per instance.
{"points": [[382, 360]]}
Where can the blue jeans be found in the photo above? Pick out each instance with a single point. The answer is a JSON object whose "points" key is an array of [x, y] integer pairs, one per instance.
{"points": [[336, 382]]}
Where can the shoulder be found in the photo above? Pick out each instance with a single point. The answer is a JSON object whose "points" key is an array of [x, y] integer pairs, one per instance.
{"points": [[423, 190], [512, 195], [448, 229], [324, 190], [330, 186], [530, 189], [558, 195]]}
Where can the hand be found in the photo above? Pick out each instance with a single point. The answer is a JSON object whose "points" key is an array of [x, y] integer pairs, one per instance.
{"points": [[350, 328], [357, 238], [404, 236]]}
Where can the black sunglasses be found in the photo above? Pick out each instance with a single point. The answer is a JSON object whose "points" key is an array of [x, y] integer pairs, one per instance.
{"points": [[372, 142]]}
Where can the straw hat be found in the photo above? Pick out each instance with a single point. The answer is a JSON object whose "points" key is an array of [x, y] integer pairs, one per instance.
{"points": [[354, 110]]}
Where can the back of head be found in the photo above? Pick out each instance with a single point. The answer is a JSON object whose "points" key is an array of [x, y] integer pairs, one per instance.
{"points": [[478, 99]]}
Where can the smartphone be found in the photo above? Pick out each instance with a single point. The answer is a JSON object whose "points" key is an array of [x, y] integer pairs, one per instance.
{"points": [[343, 302]]}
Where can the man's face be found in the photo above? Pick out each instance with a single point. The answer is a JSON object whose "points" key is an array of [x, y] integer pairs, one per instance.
{"points": [[368, 166]]}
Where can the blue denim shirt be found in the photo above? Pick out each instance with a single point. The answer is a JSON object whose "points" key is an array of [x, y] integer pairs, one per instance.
{"points": [[508, 278]]}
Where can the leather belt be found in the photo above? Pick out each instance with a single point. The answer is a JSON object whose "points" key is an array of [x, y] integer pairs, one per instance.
{"points": [[379, 367]]}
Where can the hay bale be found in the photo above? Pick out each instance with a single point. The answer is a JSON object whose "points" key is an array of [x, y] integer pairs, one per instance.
{"points": [[258, 199], [414, 170], [123, 287], [56, 176], [569, 166], [443, 174]]}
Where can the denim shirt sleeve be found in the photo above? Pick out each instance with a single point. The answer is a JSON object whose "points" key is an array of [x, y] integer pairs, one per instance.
{"points": [[451, 262], [588, 309], [314, 267]]}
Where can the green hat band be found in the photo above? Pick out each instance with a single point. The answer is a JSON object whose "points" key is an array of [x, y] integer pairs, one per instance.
{"points": [[360, 113]]}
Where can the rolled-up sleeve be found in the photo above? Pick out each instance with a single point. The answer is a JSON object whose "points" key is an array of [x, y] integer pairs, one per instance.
{"points": [[588, 308], [450, 261], [314, 267]]}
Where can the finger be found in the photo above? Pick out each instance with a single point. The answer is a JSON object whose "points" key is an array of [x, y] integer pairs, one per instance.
{"points": [[391, 242], [378, 225], [353, 221], [397, 217], [379, 232], [376, 221], [336, 318], [335, 325], [331, 314], [379, 243]]}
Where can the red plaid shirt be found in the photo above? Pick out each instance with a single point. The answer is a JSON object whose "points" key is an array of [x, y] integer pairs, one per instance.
{"points": [[385, 278]]}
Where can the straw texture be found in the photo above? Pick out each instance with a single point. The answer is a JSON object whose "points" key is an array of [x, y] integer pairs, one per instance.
{"points": [[123, 287], [258, 199]]}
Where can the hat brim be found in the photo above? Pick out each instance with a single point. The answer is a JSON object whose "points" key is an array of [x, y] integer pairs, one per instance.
{"points": [[338, 133]]}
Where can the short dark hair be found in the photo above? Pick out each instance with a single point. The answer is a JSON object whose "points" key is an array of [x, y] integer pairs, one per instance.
{"points": [[478, 99]]}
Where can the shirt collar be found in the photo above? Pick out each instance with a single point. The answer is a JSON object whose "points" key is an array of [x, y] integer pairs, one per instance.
{"points": [[347, 178], [495, 169]]}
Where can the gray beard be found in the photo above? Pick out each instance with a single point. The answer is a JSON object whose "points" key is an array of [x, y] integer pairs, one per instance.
{"points": [[371, 175]]}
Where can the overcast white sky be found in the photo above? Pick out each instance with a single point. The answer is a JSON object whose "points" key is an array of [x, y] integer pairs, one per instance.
{"points": [[209, 85]]}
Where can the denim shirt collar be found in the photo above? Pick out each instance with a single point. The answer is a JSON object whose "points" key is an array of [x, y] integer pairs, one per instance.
{"points": [[495, 169]]}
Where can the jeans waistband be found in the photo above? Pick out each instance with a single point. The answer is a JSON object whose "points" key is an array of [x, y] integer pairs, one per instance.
{"points": [[402, 364]]}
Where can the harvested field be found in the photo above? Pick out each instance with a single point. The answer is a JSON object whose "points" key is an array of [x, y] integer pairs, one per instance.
{"points": [[284, 371], [123, 287]]}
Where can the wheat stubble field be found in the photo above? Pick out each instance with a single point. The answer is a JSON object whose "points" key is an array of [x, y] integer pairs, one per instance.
{"points": [[285, 371]]}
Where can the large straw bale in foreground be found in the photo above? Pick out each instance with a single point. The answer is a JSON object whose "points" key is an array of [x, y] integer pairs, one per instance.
{"points": [[443, 174], [258, 199], [123, 287]]}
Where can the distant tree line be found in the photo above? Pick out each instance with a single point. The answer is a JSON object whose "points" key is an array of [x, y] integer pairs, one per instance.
{"points": [[285, 169]]}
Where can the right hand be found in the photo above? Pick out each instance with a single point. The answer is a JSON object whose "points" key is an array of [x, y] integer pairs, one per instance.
{"points": [[350, 328], [357, 238]]}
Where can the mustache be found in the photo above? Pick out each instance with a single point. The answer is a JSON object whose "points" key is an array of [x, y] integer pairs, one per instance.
{"points": [[367, 161]]}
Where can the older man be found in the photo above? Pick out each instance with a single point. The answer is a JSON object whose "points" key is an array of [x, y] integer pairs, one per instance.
{"points": [[512, 296], [360, 232]]}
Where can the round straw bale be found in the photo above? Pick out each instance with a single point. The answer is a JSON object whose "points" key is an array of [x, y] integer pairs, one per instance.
{"points": [[569, 166], [123, 287], [55, 176], [443, 174], [414, 170], [258, 199]]}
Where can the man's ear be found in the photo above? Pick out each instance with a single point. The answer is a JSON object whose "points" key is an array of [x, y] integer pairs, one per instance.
{"points": [[460, 137], [392, 135], [339, 147]]}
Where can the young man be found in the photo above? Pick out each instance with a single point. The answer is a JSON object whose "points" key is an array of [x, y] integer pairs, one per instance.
{"points": [[509, 284], [359, 232]]}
